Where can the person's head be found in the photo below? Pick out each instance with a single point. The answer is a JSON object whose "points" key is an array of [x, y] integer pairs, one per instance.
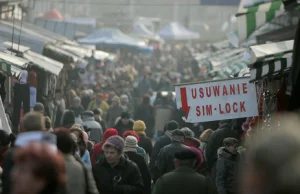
{"points": [[131, 133], [48, 124], [39, 107], [172, 125], [68, 119], [146, 99], [97, 113], [99, 97], [72, 93], [87, 114], [205, 135], [6, 139], [124, 99], [33, 121], [131, 143], [38, 170], [178, 136], [185, 158], [125, 118], [76, 101], [139, 127], [231, 144], [65, 142], [78, 132], [110, 132], [273, 159], [187, 132], [113, 149], [115, 101]]}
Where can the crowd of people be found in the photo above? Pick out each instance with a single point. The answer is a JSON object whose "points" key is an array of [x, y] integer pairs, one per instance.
{"points": [[117, 130]]}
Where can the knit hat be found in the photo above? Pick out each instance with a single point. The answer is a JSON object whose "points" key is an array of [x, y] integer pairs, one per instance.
{"points": [[125, 115], [116, 98], [172, 125], [132, 133], [177, 133], [109, 132], [139, 126], [187, 132], [115, 141], [39, 107], [131, 142]]}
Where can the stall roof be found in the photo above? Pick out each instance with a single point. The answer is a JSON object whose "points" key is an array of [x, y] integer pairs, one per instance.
{"points": [[45, 63], [175, 31], [12, 64], [60, 50], [80, 51]]}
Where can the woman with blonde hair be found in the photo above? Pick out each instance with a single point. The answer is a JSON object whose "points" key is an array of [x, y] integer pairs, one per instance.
{"points": [[204, 138]]}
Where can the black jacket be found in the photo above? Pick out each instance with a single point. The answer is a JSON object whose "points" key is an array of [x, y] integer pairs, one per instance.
{"points": [[216, 141], [146, 143], [141, 163], [159, 144], [124, 178], [146, 114], [7, 166], [226, 171], [183, 180], [121, 128], [165, 160]]}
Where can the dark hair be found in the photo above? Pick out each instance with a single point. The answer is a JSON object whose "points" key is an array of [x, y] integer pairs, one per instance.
{"points": [[64, 141], [6, 139], [47, 122], [146, 99], [97, 111]]}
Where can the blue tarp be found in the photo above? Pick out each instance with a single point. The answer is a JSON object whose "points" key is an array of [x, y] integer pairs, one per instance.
{"points": [[111, 37], [175, 31]]}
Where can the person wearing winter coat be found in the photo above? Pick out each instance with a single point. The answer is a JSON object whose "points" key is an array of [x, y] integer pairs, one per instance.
{"points": [[97, 153], [215, 142], [145, 112], [145, 142], [131, 152], [98, 118], [226, 169], [139, 149], [184, 179], [115, 173], [114, 111], [165, 158], [124, 123], [160, 143], [204, 137], [84, 180], [96, 132]]}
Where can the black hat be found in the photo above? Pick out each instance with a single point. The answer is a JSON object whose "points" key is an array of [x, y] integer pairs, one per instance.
{"points": [[125, 115], [185, 155], [177, 132], [172, 125], [87, 113]]}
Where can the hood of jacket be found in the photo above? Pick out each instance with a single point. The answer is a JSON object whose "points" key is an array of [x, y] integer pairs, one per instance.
{"points": [[192, 142], [119, 119], [223, 153]]}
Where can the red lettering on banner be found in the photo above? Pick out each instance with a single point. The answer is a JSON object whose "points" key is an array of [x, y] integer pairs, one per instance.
{"points": [[235, 109], [208, 91], [201, 92], [227, 107], [198, 113], [216, 90], [194, 93], [220, 109], [209, 109], [245, 88], [225, 93], [242, 106], [239, 90], [232, 90]]}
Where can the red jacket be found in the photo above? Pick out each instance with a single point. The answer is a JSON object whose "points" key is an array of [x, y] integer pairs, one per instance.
{"points": [[98, 147]]}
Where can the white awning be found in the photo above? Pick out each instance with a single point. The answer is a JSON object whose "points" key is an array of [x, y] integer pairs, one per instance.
{"points": [[43, 62]]}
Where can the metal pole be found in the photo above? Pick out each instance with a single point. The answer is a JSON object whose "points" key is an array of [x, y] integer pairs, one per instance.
{"points": [[30, 11]]}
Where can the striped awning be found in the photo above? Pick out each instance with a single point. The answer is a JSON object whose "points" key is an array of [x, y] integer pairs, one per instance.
{"points": [[228, 71], [252, 18], [270, 59]]}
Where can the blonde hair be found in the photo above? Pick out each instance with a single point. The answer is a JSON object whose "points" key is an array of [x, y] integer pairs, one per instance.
{"points": [[205, 135]]}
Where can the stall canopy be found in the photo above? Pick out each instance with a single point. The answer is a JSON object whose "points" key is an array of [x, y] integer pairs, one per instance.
{"points": [[114, 38], [250, 18], [12, 64], [175, 31], [39, 60], [142, 31], [270, 59], [53, 14]]}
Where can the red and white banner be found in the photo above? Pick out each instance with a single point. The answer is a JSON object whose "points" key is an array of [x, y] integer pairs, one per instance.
{"points": [[217, 100]]}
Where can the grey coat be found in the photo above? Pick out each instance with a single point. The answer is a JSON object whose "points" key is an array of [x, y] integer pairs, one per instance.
{"points": [[96, 133]]}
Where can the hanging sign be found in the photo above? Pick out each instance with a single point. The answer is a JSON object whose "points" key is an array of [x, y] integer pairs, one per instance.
{"points": [[217, 100]]}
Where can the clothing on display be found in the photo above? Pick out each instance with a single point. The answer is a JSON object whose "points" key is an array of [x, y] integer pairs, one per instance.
{"points": [[32, 96], [23, 77]]}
